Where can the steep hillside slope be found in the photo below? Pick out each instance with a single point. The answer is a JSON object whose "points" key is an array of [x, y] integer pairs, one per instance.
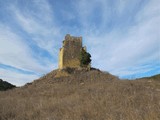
{"points": [[82, 95], [5, 85]]}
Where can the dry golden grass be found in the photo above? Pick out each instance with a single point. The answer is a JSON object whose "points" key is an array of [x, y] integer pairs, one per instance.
{"points": [[84, 95]]}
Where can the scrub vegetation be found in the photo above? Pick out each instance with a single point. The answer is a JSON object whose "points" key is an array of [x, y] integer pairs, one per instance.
{"points": [[83, 95]]}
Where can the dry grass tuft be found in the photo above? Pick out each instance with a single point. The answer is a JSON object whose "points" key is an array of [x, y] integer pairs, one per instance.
{"points": [[84, 95]]}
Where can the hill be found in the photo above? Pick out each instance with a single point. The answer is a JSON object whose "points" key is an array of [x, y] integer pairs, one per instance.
{"points": [[82, 95], [5, 85], [155, 77]]}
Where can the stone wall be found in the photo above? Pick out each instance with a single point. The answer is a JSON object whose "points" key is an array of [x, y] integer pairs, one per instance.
{"points": [[69, 53], [60, 65]]}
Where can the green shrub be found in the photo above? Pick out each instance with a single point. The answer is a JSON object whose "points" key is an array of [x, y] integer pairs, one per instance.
{"points": [[85, 58]]}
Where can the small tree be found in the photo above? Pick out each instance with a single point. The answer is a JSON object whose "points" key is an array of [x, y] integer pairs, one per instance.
{"points": [[85, 58]]}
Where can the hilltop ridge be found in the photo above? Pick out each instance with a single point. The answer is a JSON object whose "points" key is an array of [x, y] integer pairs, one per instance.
{"points": [[82, 95]]}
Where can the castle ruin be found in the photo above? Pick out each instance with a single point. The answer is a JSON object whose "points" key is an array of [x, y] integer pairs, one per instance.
{"points": [[70, 52]]}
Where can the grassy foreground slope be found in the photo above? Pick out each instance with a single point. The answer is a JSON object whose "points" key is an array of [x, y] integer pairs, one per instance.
{"points": [[82, 95]]}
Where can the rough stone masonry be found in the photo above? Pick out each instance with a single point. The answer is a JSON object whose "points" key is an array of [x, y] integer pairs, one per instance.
{"points": [[70, 52]]}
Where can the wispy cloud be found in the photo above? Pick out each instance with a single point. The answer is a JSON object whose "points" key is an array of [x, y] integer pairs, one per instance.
{"points": [[15, 52], [122, 35], [40, 27], [17, 78], [129, 42]]}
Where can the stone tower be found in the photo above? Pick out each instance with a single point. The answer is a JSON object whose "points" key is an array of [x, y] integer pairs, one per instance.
{"points": [[70, 52]]}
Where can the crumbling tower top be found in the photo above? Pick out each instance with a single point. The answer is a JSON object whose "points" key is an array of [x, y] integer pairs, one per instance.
{"points": [[68, 37]]}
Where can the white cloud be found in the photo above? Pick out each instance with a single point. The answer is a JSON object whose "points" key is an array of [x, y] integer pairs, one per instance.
{"points": [[36, 19], [119, 50], [43, 7], [85, 9], [118, 45], [43, 32], [15, 52], [151, 10], [16, 78]]}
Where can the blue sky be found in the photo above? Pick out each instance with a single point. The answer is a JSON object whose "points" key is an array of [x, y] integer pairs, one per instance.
{"points": [[123, 36]]}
